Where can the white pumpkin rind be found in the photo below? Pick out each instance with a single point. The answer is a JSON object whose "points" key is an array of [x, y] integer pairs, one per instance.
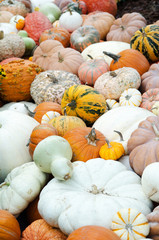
{"points": [[130, 97]]}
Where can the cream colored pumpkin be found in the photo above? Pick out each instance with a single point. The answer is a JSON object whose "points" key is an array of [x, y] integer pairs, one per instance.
{"points": [[155, 108], [129, 223], [48, 116], [130, 97], [111, 103], [97, 189], [19, 107], [113, 83]]}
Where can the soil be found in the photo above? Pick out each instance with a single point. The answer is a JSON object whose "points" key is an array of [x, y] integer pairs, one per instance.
{"points": [[148, 8]]}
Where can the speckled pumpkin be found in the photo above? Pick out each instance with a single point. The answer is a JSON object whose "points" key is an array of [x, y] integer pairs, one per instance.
{"points": [[84, 102], [51, 84], [14, 6], [15, 86], [112, 84]]}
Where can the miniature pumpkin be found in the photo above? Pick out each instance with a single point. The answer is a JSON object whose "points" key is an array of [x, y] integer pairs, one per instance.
{"points": [[109, 184], [66, 123], [18, 21], [15, 86], [155, 108], [124, 27], [84, 102], [150, 79], [9, 226], [41, 230], [90, 70], [84, 36], [102, 21], [143, 144], [11, 45], [112, 83], [85, 142], [48, 116], [92, 231], [129, 58], [56, 33], [15, 7], [40, 132], [111, 103], [5, 16], [153, 219], [35, 23], [51, 84], [145, 41], [149, 98], [130, 97], [129, 223]]}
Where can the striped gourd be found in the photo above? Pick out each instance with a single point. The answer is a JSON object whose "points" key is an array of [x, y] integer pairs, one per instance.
{"points": [[146, 40], [84, 102]]}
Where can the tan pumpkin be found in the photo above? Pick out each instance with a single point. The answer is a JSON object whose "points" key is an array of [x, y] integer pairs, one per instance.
{"points": [[102, 21], [143, 144], [85, 143], [153, 219], [41, 230], [124, 27], [5, 16], [15, 86], [149, 98], [14, 6], [9, 226]]}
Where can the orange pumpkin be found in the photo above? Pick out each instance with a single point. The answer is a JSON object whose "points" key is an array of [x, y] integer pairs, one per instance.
{"points": [[31, 212], [9, 226], [39, 133], [93, 232], [44, 107], [129, 58], [85, 143], [41, 230], [149, 98], [57, 33]]}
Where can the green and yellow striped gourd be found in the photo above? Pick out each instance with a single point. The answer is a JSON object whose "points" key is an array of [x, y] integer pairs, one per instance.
{"points": [[84, 102], [146, 40]]}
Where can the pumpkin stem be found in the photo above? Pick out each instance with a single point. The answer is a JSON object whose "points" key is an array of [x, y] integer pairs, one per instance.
{"points": [[60, 58], [89, 56], [120, 135], [114, 56], [91, 137], [65, 112], [113, 74], [53, 78], [1, 35], [108, 143], [4, 184], [31, 114], [156, 131], [72, 104]]}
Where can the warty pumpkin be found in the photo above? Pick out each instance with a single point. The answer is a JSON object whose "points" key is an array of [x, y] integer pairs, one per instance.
{"points": [[146, 41], [129, 58], [143, 144], [85, 142], [15, 7], [84, 102]]}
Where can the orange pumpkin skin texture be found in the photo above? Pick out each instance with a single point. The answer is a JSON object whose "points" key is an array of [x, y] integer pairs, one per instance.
{"points": [[39, 133], [40, 230], [57, 33], [44, 107], [9, 226], [31, 212], [143, 144], [93, 233], [85, 143], [19, 76], [129, 58], [149, 98]]}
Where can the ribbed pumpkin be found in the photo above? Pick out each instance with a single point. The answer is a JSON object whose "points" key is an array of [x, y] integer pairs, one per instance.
{"points": [[146, 40], [9, 226], [39, 133], [149, 98], [153, 219], [41, 230], [129, 58], [5, 16], [84, 102], [84, 36], [15, 86], [57, 33], [44, 107], [14, 6], [90, 70], [85, 143], [66, 123]]}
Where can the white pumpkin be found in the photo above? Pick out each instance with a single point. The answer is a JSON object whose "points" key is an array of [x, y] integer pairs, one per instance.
{"points": [[48, 116], [95, 192], [150, 181], [39, 3], [70, 21], [125, 160], [96, 49], [129, 223], [19, 107], [8, 28], [15, 130], [130, 97], [124, 119], [14, 20], [111, 103], [21, 186]]}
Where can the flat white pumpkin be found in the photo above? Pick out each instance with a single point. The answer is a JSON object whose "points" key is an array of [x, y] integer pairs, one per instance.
{"points": [[130, 97], [15, 130], [95, 192], [21, 186], [19, 107], [129, 223], [124, 119]]}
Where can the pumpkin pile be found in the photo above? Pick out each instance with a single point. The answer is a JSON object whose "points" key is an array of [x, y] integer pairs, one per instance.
{"points": [[79, 121]]}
